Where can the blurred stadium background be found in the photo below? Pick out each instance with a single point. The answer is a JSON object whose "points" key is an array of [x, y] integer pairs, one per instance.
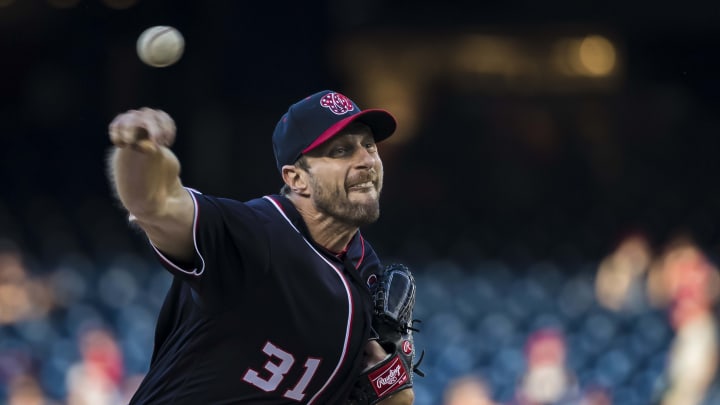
{"points": [[553, 183]]}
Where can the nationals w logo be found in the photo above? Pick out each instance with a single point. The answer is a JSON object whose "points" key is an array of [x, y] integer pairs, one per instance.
{"points": [[337, 103]]}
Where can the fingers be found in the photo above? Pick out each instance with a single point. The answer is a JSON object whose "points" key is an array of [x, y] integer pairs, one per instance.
{"points": [[142, 129], [160, 126]]}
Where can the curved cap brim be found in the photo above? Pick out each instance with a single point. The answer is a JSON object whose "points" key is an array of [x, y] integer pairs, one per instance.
{"points": [[381, 123]]}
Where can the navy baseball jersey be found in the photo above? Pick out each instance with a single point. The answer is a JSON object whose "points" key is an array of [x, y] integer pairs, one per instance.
{"points": [[264, 315]]}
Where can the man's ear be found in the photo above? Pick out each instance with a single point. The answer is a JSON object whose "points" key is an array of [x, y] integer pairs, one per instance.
{"points": [[295, 178]]}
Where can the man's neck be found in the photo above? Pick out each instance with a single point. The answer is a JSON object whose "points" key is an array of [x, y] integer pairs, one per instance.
{"points": [[325, 230]]}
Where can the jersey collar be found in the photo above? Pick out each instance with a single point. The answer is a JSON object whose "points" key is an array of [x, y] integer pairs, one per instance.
{"points": [[354, 251]]}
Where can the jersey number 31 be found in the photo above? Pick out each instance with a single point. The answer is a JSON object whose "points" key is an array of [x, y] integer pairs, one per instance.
{"points": [[277, 371]]}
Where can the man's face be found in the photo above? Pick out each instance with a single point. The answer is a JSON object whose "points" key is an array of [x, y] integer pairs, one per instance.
{"points": [[346, 176]]}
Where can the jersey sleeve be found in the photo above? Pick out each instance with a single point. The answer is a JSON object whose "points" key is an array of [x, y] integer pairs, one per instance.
{"points": [[228, 240]]}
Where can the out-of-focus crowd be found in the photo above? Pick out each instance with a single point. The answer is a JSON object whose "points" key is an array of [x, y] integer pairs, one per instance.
{"points": [[681, 281], [511, 337]]}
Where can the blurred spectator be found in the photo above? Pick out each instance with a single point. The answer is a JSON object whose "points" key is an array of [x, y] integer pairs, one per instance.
{"points": [[596, 395], [98, 377], [129, 386], [25, 390], [547, 379], [620, 281], [468, 390], [686, 282], [21, 297]]}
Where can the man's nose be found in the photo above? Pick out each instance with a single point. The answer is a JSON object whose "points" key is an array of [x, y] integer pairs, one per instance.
{"points": [[366, 158]]}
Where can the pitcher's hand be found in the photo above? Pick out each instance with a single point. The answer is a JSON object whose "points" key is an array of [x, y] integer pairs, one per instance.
{"points": [[143, 130]]}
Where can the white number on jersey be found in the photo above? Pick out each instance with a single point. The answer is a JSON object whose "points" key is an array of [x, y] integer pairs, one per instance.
{"points": [[278, 370]]}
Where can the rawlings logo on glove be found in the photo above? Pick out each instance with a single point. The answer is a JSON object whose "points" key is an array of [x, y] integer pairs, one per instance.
{"points": [[389, 377], [394, 299]]}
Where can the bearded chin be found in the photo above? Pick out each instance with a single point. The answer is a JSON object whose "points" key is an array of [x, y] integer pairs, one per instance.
{"points": [[356, 214]]}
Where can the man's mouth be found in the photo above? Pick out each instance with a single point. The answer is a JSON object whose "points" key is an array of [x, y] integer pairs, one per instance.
{"points": [[362, 186]]}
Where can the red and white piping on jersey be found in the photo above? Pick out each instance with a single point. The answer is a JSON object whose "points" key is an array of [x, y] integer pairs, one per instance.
{"points": [[193, 272], [348, 327], [362, 254]]}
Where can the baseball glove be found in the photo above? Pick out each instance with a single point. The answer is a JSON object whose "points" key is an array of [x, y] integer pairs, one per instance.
{"points": [[394, 299]]}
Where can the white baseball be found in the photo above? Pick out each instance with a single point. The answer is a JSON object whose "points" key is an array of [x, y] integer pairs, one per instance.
{"points": [[160, 46]]}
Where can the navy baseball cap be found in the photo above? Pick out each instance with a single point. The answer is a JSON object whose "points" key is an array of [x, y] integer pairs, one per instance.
{"points": [[315, 119]]}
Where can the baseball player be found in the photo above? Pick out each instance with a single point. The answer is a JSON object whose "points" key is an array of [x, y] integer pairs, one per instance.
{"points": [[270, 301]]}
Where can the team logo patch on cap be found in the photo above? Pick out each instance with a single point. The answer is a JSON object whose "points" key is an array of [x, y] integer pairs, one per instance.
{"points": [[337, 103]]}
